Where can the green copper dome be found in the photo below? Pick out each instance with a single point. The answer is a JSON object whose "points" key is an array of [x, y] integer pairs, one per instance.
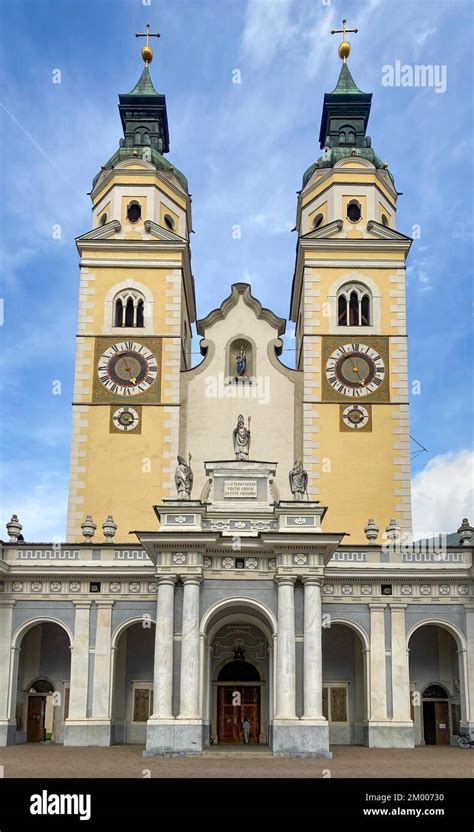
{"points": [[343, 131], [145, 127]]}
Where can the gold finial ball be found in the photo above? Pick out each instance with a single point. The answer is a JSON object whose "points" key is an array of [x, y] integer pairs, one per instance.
{"points": [[344, 49], [147, 54]]}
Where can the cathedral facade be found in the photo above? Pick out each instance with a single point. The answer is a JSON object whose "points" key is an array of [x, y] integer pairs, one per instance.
{"points": [[239, 565]]}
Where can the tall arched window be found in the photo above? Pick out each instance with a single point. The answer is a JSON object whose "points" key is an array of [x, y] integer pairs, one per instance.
{"points": [[118, 313], [342, 310], [129, 309], [354, 305]]}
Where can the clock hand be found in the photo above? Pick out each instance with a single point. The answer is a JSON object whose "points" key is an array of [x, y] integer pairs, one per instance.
{"points": [[356, 370]]}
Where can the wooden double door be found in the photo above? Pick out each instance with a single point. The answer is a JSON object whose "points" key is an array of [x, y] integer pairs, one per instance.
{"points": [[436, 722], [36, 717], [230, 715]]}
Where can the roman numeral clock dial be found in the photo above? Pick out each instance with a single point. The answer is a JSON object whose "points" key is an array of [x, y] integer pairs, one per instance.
{"points": [[355, 370], [127, 369]]}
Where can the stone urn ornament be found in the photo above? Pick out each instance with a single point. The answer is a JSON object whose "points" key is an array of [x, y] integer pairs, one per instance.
{"points": [[14, 528], [465, 532], [109, 527], [371, 531], [393, 531], [88, 527]]}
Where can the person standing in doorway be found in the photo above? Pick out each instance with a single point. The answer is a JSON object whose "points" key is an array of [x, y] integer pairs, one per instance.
{"points": [[246, 730]]}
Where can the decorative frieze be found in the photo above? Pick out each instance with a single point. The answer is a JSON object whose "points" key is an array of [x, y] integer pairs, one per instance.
{"points": [[48, 554]]}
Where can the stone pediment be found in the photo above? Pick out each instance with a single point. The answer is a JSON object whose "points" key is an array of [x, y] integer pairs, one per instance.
{"points": [[240, 291], [103, 232], [163, 234]]}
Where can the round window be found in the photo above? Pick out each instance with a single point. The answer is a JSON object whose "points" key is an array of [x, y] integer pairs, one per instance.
{"points": [[134, 212], [318, 220], [353, 211], [169, 222], [384, 220], [103, 219]]}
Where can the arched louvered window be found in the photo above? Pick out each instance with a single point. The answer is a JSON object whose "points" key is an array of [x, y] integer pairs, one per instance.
{"points": [[129, 309], [129, 313], [365, 310], [342, 310], [354, 305], [353, 309], [118, 313]]}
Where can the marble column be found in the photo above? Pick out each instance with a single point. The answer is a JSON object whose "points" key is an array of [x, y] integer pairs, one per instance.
{"points": [[312, 650], [163, 671], [286, 675], [101, 696], [80, 662], [378, 676], [189, 684], [400, 672], [8, 663], [76, 728], [466, 671]]}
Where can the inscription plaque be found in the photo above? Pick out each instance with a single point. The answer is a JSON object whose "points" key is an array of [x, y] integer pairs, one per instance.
{"points": [[240, 489]]}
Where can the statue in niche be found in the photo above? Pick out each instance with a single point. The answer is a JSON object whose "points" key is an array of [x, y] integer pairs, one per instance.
{"points": [[183, 478], [241, 438], [239, 653], [298, 481], [241, 363]]}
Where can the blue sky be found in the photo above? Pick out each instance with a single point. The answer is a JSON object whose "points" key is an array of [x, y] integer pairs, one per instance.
{"points": [[244, 148]]}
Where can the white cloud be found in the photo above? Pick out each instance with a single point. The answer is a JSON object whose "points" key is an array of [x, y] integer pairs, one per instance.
{"points": [[423, 36], [443, 493]]}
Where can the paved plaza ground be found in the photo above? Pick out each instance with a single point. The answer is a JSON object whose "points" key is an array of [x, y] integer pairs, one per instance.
{"points": [[43, 760]]}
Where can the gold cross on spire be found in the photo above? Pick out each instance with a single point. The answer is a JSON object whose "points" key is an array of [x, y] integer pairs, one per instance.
{"points": [[147, 52], [344, 46]]}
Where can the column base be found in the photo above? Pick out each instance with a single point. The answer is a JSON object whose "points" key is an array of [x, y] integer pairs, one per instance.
{"points": [[386, 734], [174, 738], [7, 732], [301, 738], [80, 732]]}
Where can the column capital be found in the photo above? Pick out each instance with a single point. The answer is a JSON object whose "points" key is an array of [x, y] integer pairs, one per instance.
{"points": [[6, 602], [105, 603], [377, 607], [166, 579], [82, 604], [312, 580], [395, 607], [191, 579], [285, 580]]}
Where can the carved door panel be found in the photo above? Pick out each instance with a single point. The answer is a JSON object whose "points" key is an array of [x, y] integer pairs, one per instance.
{"points": [[250, 711], [228, 716], [36, 711], [231, 716], [442, 723]]}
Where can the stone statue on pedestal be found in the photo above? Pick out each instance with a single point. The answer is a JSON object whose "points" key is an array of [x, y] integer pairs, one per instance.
{"points": [[183, 478], [298, 481], [241, 439]]}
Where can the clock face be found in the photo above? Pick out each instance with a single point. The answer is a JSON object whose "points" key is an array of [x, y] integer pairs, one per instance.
{"points": [[127, 368], [125, 418], [355, 416], [355, 370]]}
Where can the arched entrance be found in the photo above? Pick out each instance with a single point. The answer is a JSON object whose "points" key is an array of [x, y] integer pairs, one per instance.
{"points": [[238, 700], [237, 638], [42, 669], [133, 646], [345, 689], [437, 683]]}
